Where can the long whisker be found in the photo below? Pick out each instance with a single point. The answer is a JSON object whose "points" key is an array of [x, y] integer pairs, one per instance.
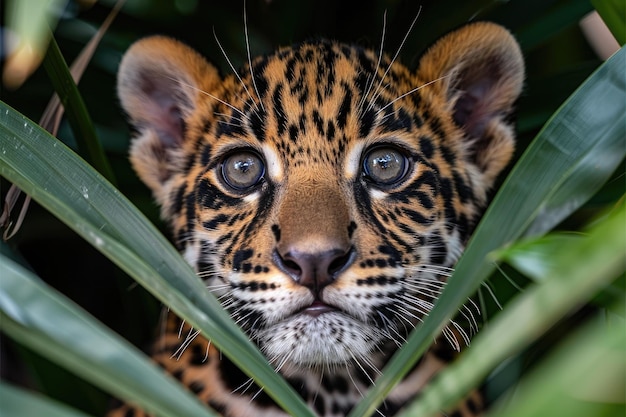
{"points": [[376, 92], [245, 28], [372, 77], [411, 92], [232, 67], [212, 96]]}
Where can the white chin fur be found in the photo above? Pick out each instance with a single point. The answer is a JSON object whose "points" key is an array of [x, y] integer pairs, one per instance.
{"points": [[326, 340]]}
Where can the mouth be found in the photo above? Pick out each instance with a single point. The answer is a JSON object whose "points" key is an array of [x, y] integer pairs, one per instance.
{"points": [[317, 308]]}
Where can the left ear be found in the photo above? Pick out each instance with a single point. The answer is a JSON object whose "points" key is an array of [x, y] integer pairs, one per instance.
{"points": [[484, 72]]}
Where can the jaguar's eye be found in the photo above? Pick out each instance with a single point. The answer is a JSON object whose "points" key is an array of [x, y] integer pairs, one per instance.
{"points": [[385, 165], [242, 170]]}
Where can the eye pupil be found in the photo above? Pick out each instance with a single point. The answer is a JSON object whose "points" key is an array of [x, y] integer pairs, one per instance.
{"points": [[385, 165], [242, 170]]}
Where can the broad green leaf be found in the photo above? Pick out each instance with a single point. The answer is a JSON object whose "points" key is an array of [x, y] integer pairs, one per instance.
{"points": [[583, 377], [583, 140], [48, 323], [581, 268], [65, 185], [18, 402]]}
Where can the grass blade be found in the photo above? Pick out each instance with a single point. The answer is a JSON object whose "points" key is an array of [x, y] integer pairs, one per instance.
{"points": [[89, 145], [580, 269], [574, 135], [70, 189], [30, 313]]}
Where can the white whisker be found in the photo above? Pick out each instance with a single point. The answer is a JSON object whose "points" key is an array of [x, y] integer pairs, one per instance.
{"points": [[232, 67], [411, 92], [372, 77], [245, 28], [212, 96], [376, 92]]}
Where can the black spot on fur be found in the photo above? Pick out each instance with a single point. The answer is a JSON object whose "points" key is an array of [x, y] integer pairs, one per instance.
{"points": [[177, 196], [279, 110], [241, 256], [366, 122], [438, 251], [426, 147], [218, 407], [215, 221], [351, 228], [257, 123], [276, 231], [344, 108]]}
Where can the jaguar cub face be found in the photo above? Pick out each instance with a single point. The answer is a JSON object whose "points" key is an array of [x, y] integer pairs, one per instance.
{"points": [[324, 192]]}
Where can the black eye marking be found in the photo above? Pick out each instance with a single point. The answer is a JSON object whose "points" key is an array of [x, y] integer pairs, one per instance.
{"points": [[242, 170], [385, 165]]}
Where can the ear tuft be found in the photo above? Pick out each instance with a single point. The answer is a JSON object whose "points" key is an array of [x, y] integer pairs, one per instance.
{"points": [[483, 72], [159, 84]]}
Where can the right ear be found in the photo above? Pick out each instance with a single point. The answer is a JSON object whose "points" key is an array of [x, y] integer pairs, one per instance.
{"points": [[159, 83]]}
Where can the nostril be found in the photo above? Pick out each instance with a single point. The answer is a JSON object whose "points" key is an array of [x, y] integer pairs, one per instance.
{"points": [[292, 266], [340, 262], [288, 265]]}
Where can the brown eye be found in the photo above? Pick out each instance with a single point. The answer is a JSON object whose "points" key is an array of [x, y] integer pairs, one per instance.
{"points": [[242, 170], [385, 165]]}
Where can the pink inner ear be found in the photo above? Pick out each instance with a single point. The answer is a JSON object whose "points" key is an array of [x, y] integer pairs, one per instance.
{"points": [[163, 110], [472, 109]]}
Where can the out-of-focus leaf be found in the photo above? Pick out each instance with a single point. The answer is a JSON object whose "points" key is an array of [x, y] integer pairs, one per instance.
{"points": [[613, 12], [580, 268], [584, 377], [17, 402], [31, 313], [549, 24], [29, 22], [582, 142], [534, 257], [70, 189]]}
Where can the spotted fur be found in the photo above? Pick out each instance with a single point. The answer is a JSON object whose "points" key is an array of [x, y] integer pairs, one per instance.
{"points": [[323, 194]]}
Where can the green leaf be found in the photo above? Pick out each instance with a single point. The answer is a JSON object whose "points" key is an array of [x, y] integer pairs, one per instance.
{"points": [[89, 145], [31, 312], [584, 377], [54, 176], [613, 12], [582, 144], [534, 257], [580, 269], [18, 402]]}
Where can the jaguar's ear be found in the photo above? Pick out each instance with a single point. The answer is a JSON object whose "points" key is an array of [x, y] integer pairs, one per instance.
{"points": [[483, 72], [160, 81]]}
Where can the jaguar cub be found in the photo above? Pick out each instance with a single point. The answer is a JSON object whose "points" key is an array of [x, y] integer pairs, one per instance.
{"points": [[323, 194]]}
